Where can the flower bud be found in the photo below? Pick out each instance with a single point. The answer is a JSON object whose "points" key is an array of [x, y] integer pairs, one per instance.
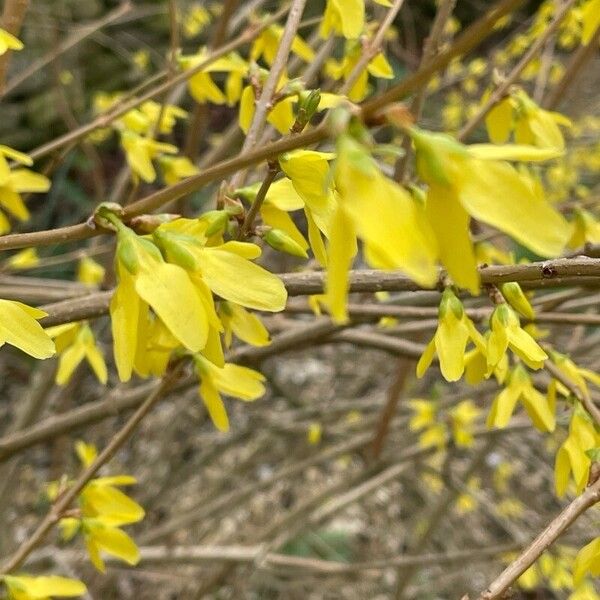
{"points": [[514, 295], [278, 239]]}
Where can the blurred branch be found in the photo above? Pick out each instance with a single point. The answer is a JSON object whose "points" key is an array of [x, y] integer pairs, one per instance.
{"points": [[546, 538], [13, 16]]}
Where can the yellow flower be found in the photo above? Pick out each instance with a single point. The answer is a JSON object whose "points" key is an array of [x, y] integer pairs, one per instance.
{"points": [[74, 342], [176, 168], [378, 67], [475, 181], [590, 15], [24, 259], [587, 561], [314, 434], [267, 44], [43, 587], [520, 387], [233, 380], [201, 85], [90, 272], [343, 17], [15, 181], [586, 229], [139, 152], [425, 414], [454, 332], [281, 114], [9, 42], [383, 215], [222, 267], [246, 326], [104, 508], [467, 502], [506, 332], [532, 125], [514, 295], [145, 279], [195, 20], [462, 417], [572, 457], [19, 328]]}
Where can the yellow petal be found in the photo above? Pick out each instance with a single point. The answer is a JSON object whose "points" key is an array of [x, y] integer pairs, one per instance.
{"points": [[223, 271], [426, 358], [214, 405], [125, 308], [43, 587], [20, 329], [24, 180], [514, 152], [68, 362], [116, 542], [341, 252], [450, 223], [494, 193], [169, 291]]}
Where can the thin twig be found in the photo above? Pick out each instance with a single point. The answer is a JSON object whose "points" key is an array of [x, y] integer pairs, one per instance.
{"points": [[544, 540]]}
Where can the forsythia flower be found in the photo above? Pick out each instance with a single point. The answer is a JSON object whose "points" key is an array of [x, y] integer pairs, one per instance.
{"points": [[591, 20], [74, 342], [506, 332], [586, 229], [9, 42], [176, 168], [139, 152], [378, 66], [475, 181], [89, 272], [27, 587], [532, 125], [201, 85], [572, 456], [267, 43], [587, 561], [24, 259], [383, 215], [343, 17], [104, 509], [145, 279], [454, 331], [19, 328], [462, 417], [519, 387], [244, 324], [233, 380], [15, 181]]}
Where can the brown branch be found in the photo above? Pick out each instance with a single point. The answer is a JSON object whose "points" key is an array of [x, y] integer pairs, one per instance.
{"points": [[557, 272], [542, 542]]}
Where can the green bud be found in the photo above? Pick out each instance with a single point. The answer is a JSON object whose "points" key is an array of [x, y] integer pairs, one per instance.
{"points": [[217, 221], [278, 239], [108, 216], [175, 250], [247, 193], [126, 252], [450, 302], [514, 295], [309, 103]]}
